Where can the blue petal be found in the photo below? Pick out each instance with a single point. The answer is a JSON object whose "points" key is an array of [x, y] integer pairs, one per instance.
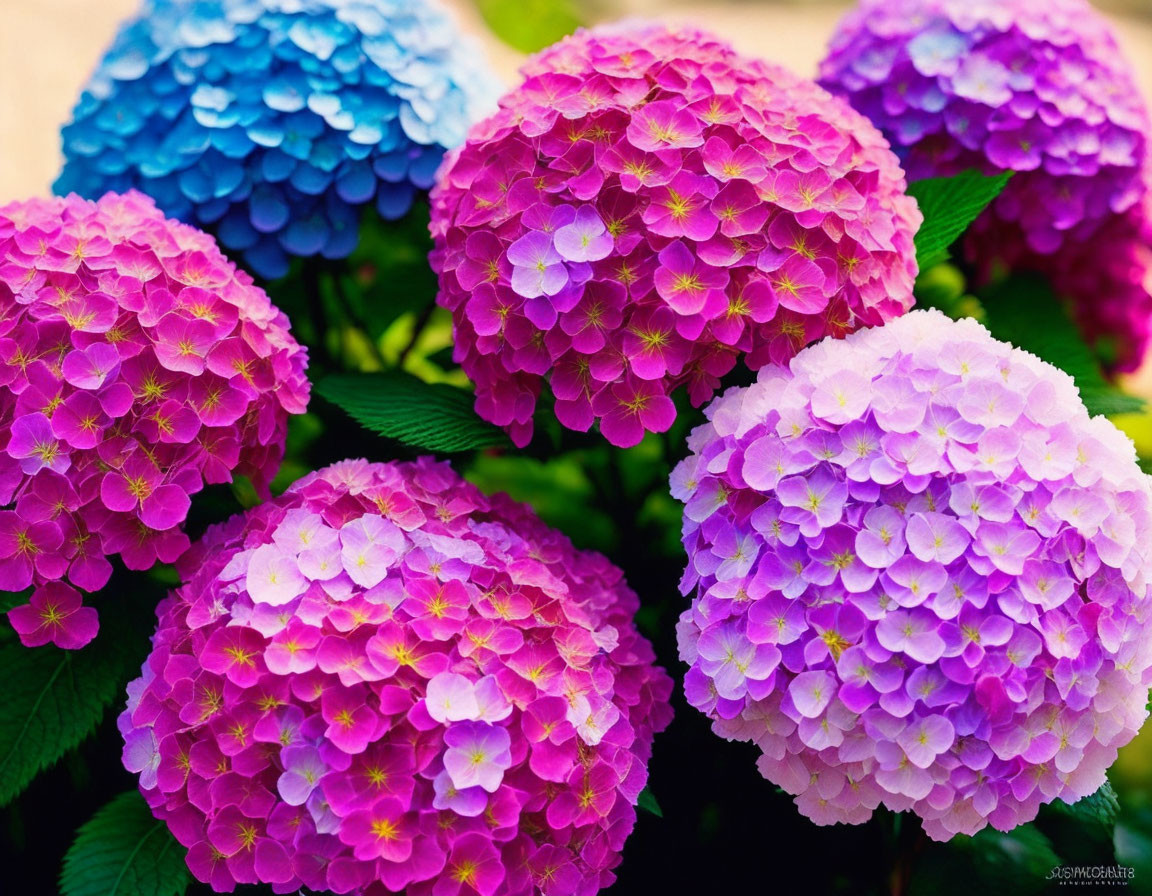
{"points": [[267, 209], [356, 182], [305, 236], [392, 167], [309, 180], [196, 184], [286, 94], [423, 169], [394, 200], [235, 231], [266, 259], [228, 175], [276, 166], [344, 232]]}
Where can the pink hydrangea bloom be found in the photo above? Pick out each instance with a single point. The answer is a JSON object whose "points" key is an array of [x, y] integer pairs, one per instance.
{"points": [[455, 701], [136, 365], [649, 206], [921, 576], [1037, 87]]}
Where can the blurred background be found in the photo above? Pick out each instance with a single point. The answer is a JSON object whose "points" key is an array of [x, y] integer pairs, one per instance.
{"points": [[49, 47], [47, 50]]}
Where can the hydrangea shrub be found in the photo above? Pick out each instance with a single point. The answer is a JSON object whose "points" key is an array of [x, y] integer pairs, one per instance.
{"points": [[277, 123], [648, 207], [921, 575], [136, 365], [385, 679], [1036, 87]]}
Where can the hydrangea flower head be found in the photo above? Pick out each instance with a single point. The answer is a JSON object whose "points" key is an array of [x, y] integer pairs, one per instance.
{"points": [[385, 678], [136, 365], [276, 123], [1037, 87], [647, 207], [1106, 282], [921, 574]]}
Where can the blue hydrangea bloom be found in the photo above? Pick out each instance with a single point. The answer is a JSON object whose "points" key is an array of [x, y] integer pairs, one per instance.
{"points": [[274, 122]]}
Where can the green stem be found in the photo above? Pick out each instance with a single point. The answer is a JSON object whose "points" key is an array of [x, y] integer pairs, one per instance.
{"points": [[417, 328]]}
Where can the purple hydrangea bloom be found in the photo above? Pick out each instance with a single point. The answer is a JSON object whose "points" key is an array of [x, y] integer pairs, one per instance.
{"points": [[921, 578], [1037, 87], [646, 209], [386, 681]]}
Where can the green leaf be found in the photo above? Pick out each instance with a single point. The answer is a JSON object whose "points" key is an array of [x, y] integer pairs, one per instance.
{"points": [[1099, 809], [124, 851], [431, 417], [529, 25], [1134, 842], [949, 205], [648, 803], [53, 699], [1024, 311], [1016, 862], [1083, 832]]}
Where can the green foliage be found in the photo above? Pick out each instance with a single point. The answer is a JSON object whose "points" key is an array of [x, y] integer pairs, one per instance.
{"points": [[558, 489], [1133, 841], [54, 698], [10, 599], [949, 205], [341, 309], [304, 430], [1083, 833], [647, 802], [1097, 811], [529, 25], [1021, 860], [1024, 311], [943, 287], [124, 851], [1017, 862], [388, 275], [426, 416]]}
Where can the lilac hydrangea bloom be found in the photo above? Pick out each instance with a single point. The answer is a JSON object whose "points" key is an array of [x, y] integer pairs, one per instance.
{"points": [[136, 365], [1036, 87], [454, 701], [921, 576], [276, 124], [647, 208]]}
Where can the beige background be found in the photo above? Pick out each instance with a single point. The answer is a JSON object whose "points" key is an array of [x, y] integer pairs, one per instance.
{"points": [[48, 48]]}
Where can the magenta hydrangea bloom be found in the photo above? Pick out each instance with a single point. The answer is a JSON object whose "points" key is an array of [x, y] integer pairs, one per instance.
{"points": [[921, 578], [1106, 280], [647, 207], [136, 365], [386, 681], [1037, 87]]}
